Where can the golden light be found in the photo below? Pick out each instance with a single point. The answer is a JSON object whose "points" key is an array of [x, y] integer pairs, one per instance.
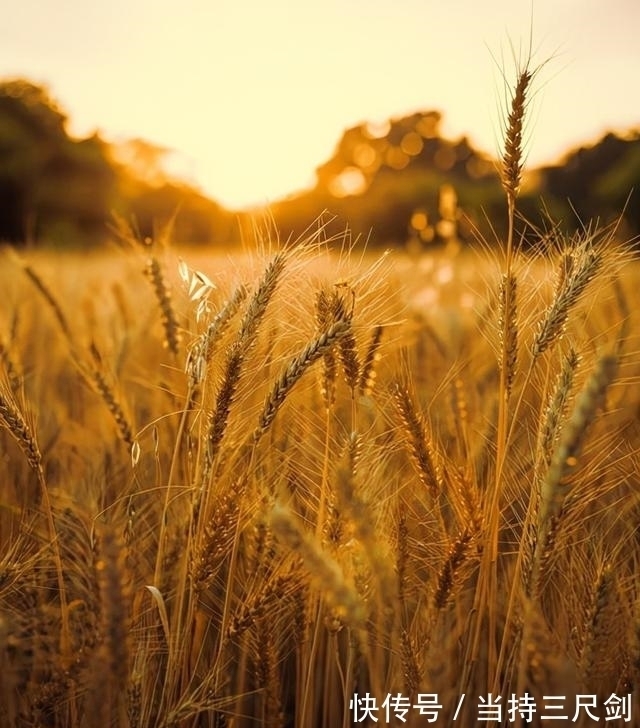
{"points": [[365, 156], [428, 234], [477, 167], [447, 202], [351, 181], [419, 220], [396, 158], [427, 127], [445, 158], [377, 129], [446, 229], [239, 100], [412, 144]]}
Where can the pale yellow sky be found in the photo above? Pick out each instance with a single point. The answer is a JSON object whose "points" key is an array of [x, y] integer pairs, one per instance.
{"points": [[254, 94]]}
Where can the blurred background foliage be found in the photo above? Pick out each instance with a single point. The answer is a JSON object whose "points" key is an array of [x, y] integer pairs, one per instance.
{"points": [[398, 183]]}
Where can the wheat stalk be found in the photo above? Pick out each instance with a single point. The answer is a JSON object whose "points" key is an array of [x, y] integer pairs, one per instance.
{"points": [[508, 328]]}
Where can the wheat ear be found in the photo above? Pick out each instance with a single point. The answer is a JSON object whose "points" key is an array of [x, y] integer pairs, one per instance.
{"points": [[50, 299], [512, 159], [14, 422], [572, 283], [236, 357], [368, 370], [556, 484], [113, 403], [13, 372], [163, 295], [418, 440], [311, 353], [450, 569], [598, 625], [325, 313], [326, 573]]}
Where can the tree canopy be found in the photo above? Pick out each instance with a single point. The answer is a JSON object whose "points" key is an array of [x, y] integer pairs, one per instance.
{"points": [[59, 190], [399, 181]]}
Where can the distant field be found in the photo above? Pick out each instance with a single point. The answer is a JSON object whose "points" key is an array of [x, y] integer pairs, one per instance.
{"points": [[261, 502]]}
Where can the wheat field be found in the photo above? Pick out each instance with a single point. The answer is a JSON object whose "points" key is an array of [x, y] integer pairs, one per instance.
{"points": [[313, 486]]}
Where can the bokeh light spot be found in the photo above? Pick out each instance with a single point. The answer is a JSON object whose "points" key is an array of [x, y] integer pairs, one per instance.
{"points": [[445, 158], [477, 167], [419, 220], [350, 181], [396, 158], [364, 155], [427, 127], [377, 129], [412, 143]]}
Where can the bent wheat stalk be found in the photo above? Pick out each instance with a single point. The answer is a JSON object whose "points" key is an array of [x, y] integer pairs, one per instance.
{"points": [[297, 367]]}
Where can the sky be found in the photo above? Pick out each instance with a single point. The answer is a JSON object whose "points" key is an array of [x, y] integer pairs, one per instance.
{"points": [[253, 95]]}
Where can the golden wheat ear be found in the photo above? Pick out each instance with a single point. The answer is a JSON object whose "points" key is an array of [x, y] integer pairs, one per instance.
{"points": [[297, 367], [327, 574], [15, 423], [512, 159], [172, 336]]}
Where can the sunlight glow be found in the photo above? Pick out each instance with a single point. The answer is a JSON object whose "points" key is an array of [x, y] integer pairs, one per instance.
{"points": [[253, 96], [412, 144], [349, 182], [396, 158], [365, 157], [419, 220]]}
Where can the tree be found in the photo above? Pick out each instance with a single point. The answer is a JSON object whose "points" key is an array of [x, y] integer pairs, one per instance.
{"points": [[50, 185]]}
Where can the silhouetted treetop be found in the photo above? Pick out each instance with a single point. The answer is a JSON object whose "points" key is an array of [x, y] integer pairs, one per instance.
{"points": [[31, 108], [397, 180], [61, 190]]}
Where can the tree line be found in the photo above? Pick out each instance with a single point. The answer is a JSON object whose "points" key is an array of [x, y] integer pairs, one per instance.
{"points": [[397, 183]]}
